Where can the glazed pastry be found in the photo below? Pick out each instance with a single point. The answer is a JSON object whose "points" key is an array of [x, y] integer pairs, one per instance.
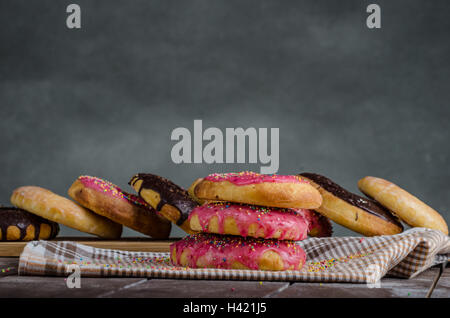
{"points": [[359, 214], [192, 193], [20, 225], [249, 220], [406, 206], [319, 225], [58, 209], [258, 189], [108, 200], [170, 200], [234, 252]]}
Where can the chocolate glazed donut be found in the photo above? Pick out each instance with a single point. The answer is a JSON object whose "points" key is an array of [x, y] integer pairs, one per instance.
{"points": [[19, 225], [362, 215], [172, 201]]}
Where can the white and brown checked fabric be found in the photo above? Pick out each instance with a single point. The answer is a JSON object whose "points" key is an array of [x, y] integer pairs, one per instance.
{"points": [[334, 259]]}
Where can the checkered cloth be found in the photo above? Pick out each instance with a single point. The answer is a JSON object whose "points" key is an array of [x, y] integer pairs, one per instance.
{"points": [[333, 259]]}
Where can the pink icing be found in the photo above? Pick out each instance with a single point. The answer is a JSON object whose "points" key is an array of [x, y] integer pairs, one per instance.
{"points": [[319, 226], [292, 225], [221, 251], [248, 177], [111, 190]]}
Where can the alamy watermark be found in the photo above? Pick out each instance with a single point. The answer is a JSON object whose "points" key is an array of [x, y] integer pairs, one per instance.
{"points": [[373, 275], [74, 278], [228, 147]]}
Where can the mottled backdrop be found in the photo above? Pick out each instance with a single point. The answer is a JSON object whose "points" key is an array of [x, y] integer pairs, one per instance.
{"points": [[103, 100]]}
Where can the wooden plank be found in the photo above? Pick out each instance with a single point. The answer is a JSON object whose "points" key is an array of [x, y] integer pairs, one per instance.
{"points": [[419, 286], [50, 287], [442, 288], [173, 288], [8, 266], [12, 249]]}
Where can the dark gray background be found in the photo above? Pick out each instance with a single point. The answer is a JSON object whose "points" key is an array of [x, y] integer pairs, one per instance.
{"points": [[103, 100]]}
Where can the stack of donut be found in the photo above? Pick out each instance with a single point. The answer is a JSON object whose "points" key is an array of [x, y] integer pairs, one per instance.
{"points": [[250, 221], [236, 220]]}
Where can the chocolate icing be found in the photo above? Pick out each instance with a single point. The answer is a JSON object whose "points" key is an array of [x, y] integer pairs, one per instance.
{"points": [[169, 192], [22, 219], [365, 204]]}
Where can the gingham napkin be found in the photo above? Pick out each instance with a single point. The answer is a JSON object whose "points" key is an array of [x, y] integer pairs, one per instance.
{"points": [[333, 259]]}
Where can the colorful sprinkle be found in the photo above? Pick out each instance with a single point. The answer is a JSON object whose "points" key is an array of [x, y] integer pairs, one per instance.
{"points": [[326, 264], [249, 177]]}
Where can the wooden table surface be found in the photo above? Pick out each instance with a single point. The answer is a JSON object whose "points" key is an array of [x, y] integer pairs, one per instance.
{"points": [[434, 282]]}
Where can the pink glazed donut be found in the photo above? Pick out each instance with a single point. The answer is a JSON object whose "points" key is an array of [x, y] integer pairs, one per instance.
{"points": [[249, 220], [280, 191], [107, 199], [234, 252]]}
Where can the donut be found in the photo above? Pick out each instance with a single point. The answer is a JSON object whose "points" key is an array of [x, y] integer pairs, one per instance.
{"points": [[359, 214], [319, 225], [249, 220], [191, 192], [403, 204], [234, 252], [61, 210], [19, 225], [169, 199], [258, 189], [108, 200]]}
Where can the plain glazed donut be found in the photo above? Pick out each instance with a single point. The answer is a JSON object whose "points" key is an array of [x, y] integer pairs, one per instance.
{"points": [[258, 189], [19, 225], [249, 220], [235, 252], [108, 200], [359, 214], [58, 209], [169, 199], [406, 206]]}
